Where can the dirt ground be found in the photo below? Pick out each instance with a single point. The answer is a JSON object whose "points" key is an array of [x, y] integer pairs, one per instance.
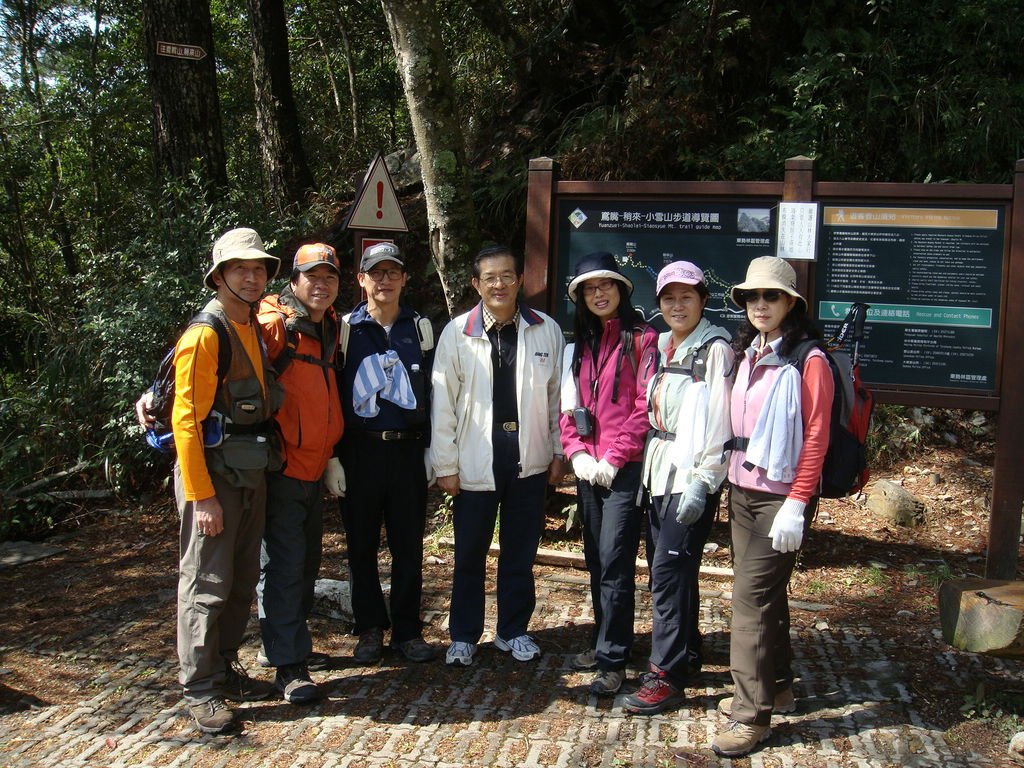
{"points": [[861, 570]]}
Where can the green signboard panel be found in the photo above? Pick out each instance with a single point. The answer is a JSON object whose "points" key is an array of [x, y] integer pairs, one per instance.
{"points": [[932, 277], [720, 238]]}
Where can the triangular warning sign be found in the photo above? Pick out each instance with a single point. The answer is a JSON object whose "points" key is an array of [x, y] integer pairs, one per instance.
{"points": [[376, 205]]}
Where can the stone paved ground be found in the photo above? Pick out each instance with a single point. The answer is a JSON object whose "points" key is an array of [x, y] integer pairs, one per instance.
{"points": [[855, 708]]}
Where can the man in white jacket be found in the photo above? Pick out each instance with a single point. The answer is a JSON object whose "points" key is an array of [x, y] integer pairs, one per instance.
{"points": [[495, 442]]}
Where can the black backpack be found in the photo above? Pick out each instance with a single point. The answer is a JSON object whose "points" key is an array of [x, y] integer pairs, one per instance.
{"points": [[845, 470], [159, 436]]}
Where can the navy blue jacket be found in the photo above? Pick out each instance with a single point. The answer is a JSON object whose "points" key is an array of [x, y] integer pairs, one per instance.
{"points": [[368, 337]]}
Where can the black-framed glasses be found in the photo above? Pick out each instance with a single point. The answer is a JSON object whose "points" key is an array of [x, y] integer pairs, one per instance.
{"points": [[771, 296], [378, 275], [604, 286]]}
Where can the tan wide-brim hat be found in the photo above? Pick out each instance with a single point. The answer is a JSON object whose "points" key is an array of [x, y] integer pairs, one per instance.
{"points": [[765, 273], [242, 244]]}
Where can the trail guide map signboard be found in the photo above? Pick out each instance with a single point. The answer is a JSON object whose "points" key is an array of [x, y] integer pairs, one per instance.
{"points": [[720, 238], [932, 277]]}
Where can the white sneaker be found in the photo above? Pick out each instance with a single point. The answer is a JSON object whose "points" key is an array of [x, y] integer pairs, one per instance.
{"points": [[460, 654], [523, 648]]}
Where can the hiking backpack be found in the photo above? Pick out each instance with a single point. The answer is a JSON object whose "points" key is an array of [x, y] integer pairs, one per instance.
{"points": [[845, 470], [160, 436]]}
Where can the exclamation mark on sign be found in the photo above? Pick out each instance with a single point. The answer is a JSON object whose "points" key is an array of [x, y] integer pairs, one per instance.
{"points": [[380, 199]]}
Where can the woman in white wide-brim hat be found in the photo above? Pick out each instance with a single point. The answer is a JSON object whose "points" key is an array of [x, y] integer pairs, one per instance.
{"points": [[603, 434], [780, 419], [684, 468]]}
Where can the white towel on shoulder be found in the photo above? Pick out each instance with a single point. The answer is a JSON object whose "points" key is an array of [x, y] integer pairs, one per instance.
{"points": [[778, 434]]}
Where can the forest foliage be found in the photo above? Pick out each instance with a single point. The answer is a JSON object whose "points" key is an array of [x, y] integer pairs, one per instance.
{"points": [[101, 253]]}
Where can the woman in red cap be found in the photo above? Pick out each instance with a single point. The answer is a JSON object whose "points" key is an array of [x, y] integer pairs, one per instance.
{"points": [[684, 468]]}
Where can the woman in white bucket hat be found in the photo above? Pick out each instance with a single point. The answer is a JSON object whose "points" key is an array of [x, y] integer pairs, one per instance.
{"points": [[780, 419]]}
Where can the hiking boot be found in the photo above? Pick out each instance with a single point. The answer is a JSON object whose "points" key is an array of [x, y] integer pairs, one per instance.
{"points": [[785, 704], [370, 646], [294, 684], [212, 716], [319, 662], [522, 648], [607, 682], [585, 660], [415, 650], [315, 662], [460, 654], [739, 739], [238, 686], [656, 694]]}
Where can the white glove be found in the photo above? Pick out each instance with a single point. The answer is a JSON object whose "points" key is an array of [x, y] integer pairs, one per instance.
{"points": [[583, 466], [334, 478], [788, 527], [691, 506], [604, 474]]}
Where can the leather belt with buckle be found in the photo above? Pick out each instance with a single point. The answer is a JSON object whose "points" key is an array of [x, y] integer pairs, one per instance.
{"points": [[510, 426], [392, 434]]}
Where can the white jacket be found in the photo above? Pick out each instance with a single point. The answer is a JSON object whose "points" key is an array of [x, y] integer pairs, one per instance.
{"points": [[462, 401], [697, 413]]}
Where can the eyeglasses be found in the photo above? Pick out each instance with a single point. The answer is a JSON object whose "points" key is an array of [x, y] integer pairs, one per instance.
{"points": [[378, 275], [505, 278], [745, 297], [605, 286]]}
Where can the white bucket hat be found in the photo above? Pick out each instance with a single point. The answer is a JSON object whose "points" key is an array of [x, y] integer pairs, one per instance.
{"points": [[765, 273]]}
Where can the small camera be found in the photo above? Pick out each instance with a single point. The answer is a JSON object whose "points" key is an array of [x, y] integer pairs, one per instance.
{"points": [[584, 421]]}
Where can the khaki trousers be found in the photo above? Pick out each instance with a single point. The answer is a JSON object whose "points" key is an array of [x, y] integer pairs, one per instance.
{"points": [[217, 578], [760, 654]]}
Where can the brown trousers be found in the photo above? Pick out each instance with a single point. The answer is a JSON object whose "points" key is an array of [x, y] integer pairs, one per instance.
{"points": [[217, 578], [759, 650]]}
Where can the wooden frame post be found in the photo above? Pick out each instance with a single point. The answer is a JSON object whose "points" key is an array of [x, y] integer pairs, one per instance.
{"points": [[1008, 480], [540, 200], [798, 187]]}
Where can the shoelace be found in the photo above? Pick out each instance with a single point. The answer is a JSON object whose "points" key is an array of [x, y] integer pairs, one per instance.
{"points": [[239, 671], [653, 684]]}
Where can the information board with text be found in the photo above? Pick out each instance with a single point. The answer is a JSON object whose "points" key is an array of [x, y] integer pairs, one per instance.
{"points": [[933, 278], [720, 238]]}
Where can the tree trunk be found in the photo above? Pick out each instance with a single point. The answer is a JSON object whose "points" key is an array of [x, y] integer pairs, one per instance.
{"points": [[335, 95], [351, 77], [186, 109], [436, 125], [28, 17], [289, 180], [983, 616]]}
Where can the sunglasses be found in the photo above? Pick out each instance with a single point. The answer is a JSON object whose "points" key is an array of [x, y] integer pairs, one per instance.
{"points": [[745, 297]]}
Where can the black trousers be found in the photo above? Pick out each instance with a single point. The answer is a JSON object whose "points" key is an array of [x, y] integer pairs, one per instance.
{"points": [[674, 557], [387, 484], [521, 500], [611, 542]]}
